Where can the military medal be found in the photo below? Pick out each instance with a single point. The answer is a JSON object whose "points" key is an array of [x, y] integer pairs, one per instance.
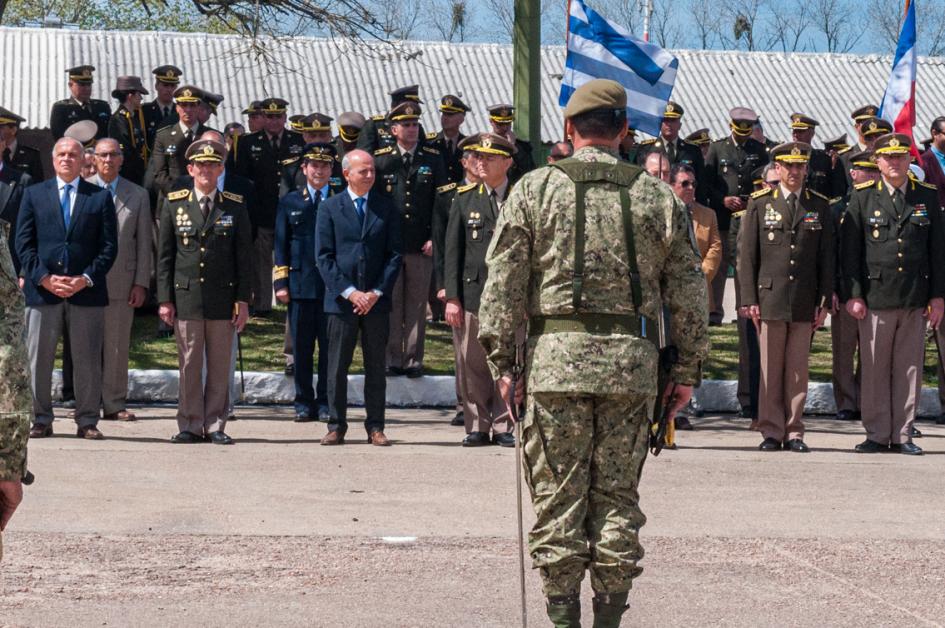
{"points": [[475, 234], [875, 233], [778, 217], [771, 235], [185, 241], [877, 213]]}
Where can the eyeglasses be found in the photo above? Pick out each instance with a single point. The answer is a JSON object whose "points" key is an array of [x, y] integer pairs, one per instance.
{"points": [[686, 184], [773, 182], [108, 155]]}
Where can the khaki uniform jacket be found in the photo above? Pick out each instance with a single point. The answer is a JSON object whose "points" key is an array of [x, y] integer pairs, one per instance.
{"points": [[204, 266], [785, 262]]}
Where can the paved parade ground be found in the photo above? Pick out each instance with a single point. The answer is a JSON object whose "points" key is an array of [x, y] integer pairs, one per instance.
{"points": [[278, 531]]}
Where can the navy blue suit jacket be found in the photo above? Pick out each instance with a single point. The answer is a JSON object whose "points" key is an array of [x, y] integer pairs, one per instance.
{"points": [[367, 257], [295, 247], [43, 244]]}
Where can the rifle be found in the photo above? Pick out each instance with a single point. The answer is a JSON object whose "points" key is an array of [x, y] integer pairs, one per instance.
{"points": [[662, 427]]}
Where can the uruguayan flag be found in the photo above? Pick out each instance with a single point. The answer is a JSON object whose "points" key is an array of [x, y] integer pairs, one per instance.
{"points": [[601, 49]]}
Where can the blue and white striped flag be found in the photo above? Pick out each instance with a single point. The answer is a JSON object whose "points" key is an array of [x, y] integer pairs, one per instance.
{"points": [[598, 48]]}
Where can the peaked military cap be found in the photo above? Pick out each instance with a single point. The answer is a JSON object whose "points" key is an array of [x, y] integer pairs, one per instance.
{"points": [[503, 114], [273, 106], [169, 74], [128, 84], [189, 93], [801, 122], [863, 160], [351, 120], [743, 120], [892, 144], [254, 108], [791, 152], [410, 93], [469, 142], [452, 104], [81, 74], [596, 95], [319, 151], [296, 122], [875, 126], [699, 138], [864, 113], [206, 151], [839, 144], [84, 131], [493, 144], [673, 111], [404, 112], [315, 122], [8, 117], [758, 176]]}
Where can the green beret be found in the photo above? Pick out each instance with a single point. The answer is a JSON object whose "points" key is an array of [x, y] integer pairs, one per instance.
{"points": [[599, 94]]}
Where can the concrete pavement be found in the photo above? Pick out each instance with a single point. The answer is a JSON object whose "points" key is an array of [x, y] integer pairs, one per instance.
{"points": [[278, 531]]}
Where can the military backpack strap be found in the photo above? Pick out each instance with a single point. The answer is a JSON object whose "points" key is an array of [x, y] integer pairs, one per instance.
{"points": [[636, 290], [580, 219]]}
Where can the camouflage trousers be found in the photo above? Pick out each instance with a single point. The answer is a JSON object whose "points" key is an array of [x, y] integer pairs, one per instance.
{"points": [[583, 456]]}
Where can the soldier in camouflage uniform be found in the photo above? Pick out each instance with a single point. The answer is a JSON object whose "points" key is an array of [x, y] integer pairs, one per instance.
{"points": [[591, 361], [15, 397]]}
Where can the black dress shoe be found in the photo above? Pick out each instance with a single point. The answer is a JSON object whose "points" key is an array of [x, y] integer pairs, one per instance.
{"points": [[290, 370], [414, 373], [324, 415], [476, 439], [770, 444], [870, 447], [682, 423], [458, 419], [798, 445], [304, 417], [910, 449], [395, 370], [846, 415], [186, 437], [915, 432], [220, 438], [505, 439]]}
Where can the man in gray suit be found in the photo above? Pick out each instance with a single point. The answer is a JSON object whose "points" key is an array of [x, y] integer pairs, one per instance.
{"points": [[128, 278]]}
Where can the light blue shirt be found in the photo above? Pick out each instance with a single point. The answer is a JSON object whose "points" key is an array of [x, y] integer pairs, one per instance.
{"points": [[347, 291], [75, 188], [940, 157], [311, 191]]}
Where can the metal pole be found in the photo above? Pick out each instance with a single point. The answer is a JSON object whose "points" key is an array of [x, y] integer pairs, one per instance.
{"points": [[526, 71], [647, 12]]}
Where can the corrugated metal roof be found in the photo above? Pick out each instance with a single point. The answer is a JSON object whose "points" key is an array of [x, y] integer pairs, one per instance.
{"points": [[332, 76]]}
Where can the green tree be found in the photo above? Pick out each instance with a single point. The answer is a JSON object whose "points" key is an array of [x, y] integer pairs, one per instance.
{"points": [[172, 15]]}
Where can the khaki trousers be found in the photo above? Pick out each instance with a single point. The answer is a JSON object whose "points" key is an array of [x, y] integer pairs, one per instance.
{"points": [[262, 270], [202, 406], [408, 315], [892, 349], [460, 370], [844, 338], [785, 348], [483, 407], [118, 319]]}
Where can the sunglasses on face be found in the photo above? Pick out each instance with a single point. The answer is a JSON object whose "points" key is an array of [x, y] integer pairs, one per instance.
{"points": [[687, 184]]}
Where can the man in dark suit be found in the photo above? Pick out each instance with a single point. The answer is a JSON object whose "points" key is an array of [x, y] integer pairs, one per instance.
{"points": [[298, 284], [16, 155], [66, 239], [359, 257]]}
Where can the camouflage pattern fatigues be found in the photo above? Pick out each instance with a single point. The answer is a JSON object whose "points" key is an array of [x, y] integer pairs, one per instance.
{"points": [[589, 395]]}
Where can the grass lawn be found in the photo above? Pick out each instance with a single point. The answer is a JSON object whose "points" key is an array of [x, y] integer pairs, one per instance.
{"points": [[263, 340]]}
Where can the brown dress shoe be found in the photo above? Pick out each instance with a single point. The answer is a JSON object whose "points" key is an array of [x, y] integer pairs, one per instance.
{"points": [[333, 438], [90, 433], [123, 415], [40, 431], [378, 438]]}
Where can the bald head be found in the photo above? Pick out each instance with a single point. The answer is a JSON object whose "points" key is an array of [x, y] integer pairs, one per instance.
{"points": [[657, 165], [67, 158], [358, 169]]}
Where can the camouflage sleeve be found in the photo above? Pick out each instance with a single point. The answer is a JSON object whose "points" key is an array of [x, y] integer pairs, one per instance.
{"points": [[683, 289], [14, 429], [15, 397], [503, 305]]}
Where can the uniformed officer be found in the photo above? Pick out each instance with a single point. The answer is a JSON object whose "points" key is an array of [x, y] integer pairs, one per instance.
{"points": [[441, 214], [203, 276], [376, 131], [729, 166], [868, 129], [676, 149], [758, 134], [410, 174], [452, 115], [315, 129], [822, 174], [702, 139], [472, 221], [859, 116], [893, 280], [128, 125], [161, 112], [785, 276], [297, 282], [501, 117], [591, 373], [350, 124], [17, 155], [844, 329], [260, 157], [254, 116], [836, 147], [80, 106]]}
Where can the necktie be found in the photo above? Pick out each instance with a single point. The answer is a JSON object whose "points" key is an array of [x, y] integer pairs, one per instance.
{"points": [[66, 205], [317, 198], [359, 207], [899, 202], [493, 201], [6, 155], [189, 136], [671, 151], [205, 206], [407, 160], [167, 111], [792, 203]]}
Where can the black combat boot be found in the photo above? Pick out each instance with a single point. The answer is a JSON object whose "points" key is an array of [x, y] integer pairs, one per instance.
{"points": [[564, 611], [608, 608]]}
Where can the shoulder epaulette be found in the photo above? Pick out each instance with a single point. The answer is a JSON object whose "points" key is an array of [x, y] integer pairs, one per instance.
{"points": [[178, 195], [685, 141], [761, 192], [167, 126], [927, 185], [125, 113], [290, 160], [446, 188], [835, 200], [378, 117], [431, 150], [819, 195], [864, 185], [739, 214], [238, 198], [432, 135], [845, 150], [384, 151], [466, 188], [648, 142]]}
